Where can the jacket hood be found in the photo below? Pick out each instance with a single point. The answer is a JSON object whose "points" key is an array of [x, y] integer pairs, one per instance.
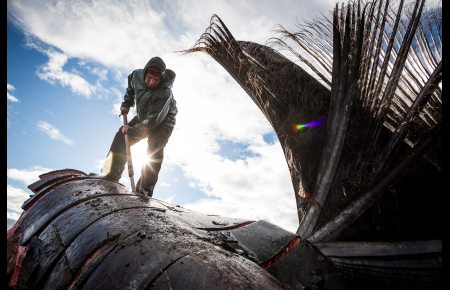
{"points": [[168, 75], [157, 63], [168, 78]]}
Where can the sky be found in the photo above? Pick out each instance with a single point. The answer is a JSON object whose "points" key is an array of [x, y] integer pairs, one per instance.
{"points": [[67, 68]]}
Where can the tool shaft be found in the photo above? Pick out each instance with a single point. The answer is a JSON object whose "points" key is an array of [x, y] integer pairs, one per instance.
{"points": [[129, 160]]}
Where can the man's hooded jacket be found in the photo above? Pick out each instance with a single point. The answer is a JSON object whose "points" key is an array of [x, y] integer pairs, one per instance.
{"points": [[154, 106]]}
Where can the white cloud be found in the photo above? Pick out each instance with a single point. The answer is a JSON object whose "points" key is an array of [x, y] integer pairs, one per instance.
{"points": [[11, 218], [53, 132], [53, 72], [9, 109], [15, 197], [115, 109], [102, 74], [12, 99], [168, 199], [102, 31], [123, 35], [27, 176], [119, 33], [257, 187]]}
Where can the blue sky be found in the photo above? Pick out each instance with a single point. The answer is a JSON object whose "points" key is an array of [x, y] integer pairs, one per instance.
{"points": [[67, 63]]}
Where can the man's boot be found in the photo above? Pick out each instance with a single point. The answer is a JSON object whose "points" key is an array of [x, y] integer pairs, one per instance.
{"points": [[117, 165], [145, 190]]}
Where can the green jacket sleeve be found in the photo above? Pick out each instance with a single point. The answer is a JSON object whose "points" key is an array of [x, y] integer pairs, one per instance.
{"points": [[129, 95]]}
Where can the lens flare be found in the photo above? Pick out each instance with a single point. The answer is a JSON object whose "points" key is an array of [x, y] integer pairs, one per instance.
{"points": [[298, 127]]}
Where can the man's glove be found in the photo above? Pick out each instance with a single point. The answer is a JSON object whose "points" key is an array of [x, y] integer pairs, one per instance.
{"points": [[124, 110]]}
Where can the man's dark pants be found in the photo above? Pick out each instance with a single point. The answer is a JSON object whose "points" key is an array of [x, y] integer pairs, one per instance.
{"points": [[156, 141]]}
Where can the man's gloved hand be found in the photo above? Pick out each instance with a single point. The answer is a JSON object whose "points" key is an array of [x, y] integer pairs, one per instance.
{"points": [[124, 110]]}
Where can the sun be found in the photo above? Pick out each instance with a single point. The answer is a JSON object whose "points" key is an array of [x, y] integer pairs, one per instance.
{"points": [[139, 157]]}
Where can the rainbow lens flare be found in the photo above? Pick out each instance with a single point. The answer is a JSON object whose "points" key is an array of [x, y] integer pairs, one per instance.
{"points": [[298, 127]]}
